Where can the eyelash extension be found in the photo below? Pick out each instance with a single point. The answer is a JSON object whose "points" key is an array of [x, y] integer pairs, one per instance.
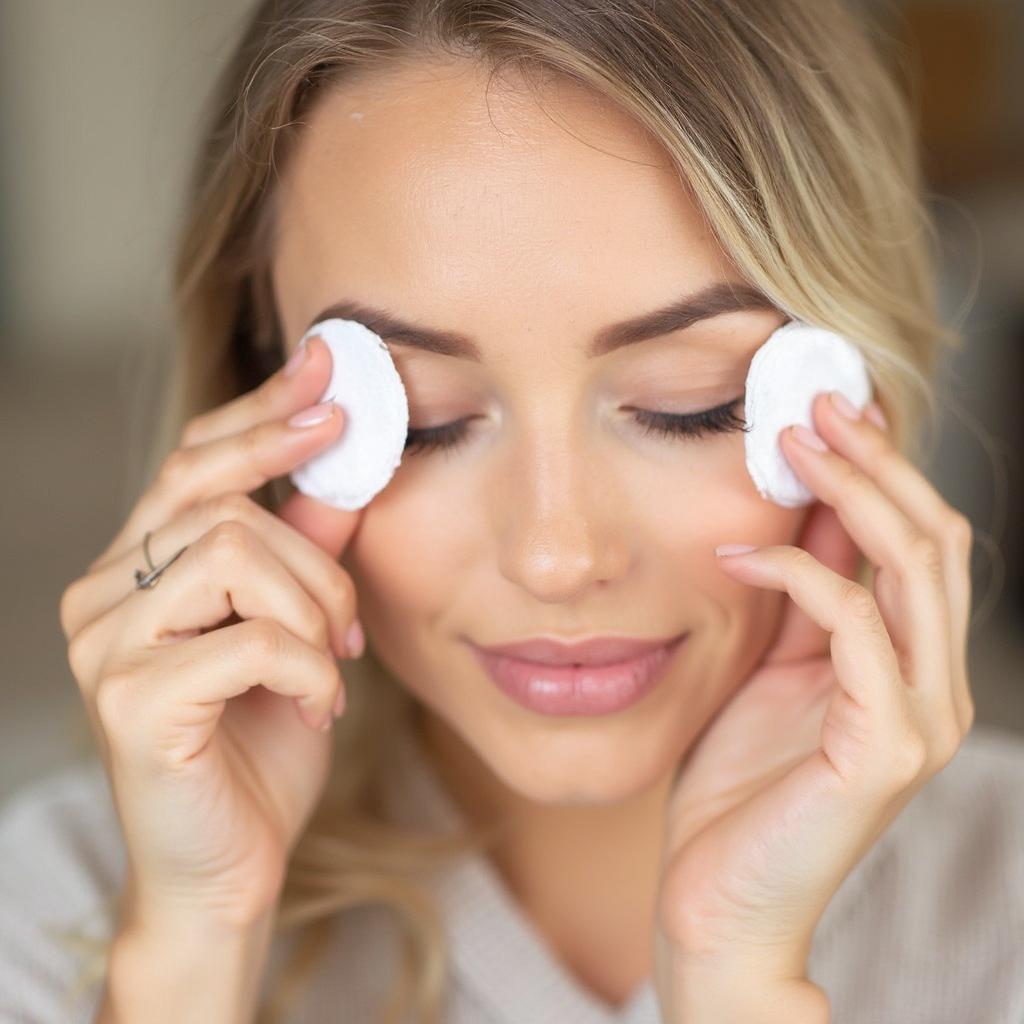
{"points": [[720, 419]]}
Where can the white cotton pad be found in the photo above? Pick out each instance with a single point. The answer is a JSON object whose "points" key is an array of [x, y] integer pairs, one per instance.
{"points": [[787, 371], [365, 383]]}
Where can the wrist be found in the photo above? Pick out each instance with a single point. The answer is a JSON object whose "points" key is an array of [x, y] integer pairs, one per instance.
{"points": [[701, 1000], [710, 990], [174, 969]]}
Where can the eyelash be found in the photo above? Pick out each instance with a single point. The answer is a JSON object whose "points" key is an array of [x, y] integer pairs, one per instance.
{"points": [[719, 420]]}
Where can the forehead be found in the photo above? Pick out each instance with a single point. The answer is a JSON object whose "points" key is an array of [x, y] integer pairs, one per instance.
{"points": [[467, 200]]}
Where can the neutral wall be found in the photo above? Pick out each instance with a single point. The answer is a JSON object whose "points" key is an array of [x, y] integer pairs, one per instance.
{"points": [[98, 102]]}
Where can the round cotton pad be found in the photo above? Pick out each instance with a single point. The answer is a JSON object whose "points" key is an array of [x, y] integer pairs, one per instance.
{"points": [[787, 371], [365, 383]]}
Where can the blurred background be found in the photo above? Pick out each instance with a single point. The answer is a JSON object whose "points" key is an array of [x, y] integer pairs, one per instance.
{"points": [[99, 107]]}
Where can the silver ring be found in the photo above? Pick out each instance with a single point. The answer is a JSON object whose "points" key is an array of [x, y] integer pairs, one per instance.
{"points": [[146, 581]]}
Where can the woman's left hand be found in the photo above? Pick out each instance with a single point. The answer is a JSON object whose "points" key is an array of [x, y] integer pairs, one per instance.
{"points": [[862, 697]]}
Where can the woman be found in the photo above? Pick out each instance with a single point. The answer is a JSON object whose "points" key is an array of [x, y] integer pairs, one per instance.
{"points": [[763, 833]]}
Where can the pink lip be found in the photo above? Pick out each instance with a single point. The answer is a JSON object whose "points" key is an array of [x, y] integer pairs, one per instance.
{"points": [[600, 650], [610, 675]]}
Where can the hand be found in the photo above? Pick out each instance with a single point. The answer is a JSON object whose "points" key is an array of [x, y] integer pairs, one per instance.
{"points": [[862, 697], [206, 693]]}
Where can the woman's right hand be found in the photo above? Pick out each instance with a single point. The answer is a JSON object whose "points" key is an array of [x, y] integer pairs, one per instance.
{"points": [[206, 693]]}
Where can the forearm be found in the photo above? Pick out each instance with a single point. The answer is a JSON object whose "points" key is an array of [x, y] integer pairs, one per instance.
{"points": [[185, 972]]}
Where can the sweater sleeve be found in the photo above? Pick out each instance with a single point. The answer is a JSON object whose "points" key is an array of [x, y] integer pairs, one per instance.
{"points": [[61, 867]]}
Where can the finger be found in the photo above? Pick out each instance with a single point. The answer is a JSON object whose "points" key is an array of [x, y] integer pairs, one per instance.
{"points": [[821, 535], [169, 708], [227, 570], [862, 653], [909, 582], [871, 448], [320, 575], [276, 398], [237, 463], [329, 528]]}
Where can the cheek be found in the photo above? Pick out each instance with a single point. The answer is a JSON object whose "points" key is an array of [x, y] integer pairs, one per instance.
{"points": [[707, 498], [406, 558]]}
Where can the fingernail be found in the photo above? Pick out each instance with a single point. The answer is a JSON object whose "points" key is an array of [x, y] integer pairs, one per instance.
{"points": [[875, 414], [328, 721], [296, 360], [339, 702], [734, 549], [808, 438], [356, 639], [844, 405], [313, 415]]}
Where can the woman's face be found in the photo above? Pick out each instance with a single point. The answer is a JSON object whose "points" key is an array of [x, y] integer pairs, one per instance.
{"points": [[556, 513]]}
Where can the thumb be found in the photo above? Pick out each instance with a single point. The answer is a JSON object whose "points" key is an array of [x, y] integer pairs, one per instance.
{"points": [[328, 527], [825, 537]]}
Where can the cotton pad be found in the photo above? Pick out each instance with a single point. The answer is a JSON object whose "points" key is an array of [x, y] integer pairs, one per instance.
{"points": [[365, 383], [787, 371]]}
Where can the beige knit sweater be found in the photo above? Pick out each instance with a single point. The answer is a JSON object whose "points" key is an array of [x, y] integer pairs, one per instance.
{"points": [[927, 929]]}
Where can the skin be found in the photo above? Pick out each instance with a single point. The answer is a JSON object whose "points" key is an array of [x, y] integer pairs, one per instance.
{"points": [[416, 192]]}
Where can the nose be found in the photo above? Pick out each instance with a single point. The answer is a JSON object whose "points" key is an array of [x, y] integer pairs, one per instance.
{"points": [[560, 525]]}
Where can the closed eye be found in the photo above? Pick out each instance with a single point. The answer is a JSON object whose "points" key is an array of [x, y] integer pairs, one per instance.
{"points": [[718, 420]]}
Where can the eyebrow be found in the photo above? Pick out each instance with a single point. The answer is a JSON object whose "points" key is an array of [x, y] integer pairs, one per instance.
{"points": [[713, 300]]}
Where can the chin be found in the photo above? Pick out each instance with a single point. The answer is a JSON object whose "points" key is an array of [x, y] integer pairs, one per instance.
{"points": [[577, 767]]}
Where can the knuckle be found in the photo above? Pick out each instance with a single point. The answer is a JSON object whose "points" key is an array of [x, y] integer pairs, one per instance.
{"points": [[68, 602], [343, 591], [114, 695], [926, 555], [260, 639], [910, 756], [320, 627], [77, 655], [960, 531], [798, 562], [228, 541], [801, 558], [858, 600], [251, 442], [81, 655], [194, 430], [175, 468], [332, 674]]}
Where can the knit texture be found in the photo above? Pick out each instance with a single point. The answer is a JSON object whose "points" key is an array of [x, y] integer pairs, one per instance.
{"points": [[928, 928]]}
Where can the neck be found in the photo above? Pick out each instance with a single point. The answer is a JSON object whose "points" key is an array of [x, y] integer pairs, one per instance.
{"points": [[585, 877]]}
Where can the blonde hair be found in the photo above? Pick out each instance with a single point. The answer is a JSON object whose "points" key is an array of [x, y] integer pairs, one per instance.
{"points": [[795, 141]]}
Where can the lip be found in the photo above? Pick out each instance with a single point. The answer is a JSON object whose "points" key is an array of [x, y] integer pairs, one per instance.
{"points": [[592, 686], [600, 650]]}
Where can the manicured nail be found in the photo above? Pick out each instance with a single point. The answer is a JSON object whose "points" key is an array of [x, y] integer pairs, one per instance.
{"points": [[808, 438], [845, 406], [296, 361], [734, 549], [313, 415], [356, 639], [875, 414]]}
